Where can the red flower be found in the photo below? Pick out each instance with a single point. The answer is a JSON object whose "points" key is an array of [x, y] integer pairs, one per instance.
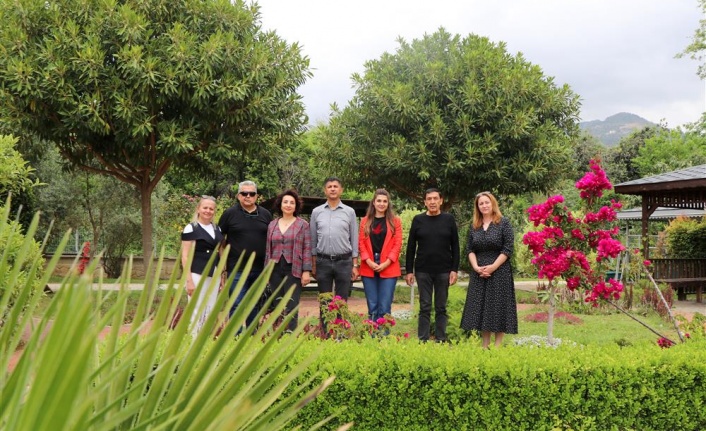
{"points": [[664, 343]]}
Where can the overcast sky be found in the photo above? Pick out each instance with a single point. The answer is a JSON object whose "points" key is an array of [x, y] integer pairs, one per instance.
{"points": [[617, 55]]}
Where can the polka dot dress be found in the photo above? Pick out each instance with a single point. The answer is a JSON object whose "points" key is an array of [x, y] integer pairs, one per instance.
{"points": [[490, 302]]}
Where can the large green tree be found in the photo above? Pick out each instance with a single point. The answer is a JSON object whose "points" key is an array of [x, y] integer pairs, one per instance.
{"points": [[670, 150], [696, 50], [132, 88], [460, 114], [620, 160]]}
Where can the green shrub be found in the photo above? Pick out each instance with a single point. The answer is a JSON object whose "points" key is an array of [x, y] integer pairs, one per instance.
{"points": [[393, 385], [73, 374], [19, 253], [686, 238]]}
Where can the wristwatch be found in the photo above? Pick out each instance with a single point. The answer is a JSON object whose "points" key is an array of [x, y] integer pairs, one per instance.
{"points": [[355, 265]]}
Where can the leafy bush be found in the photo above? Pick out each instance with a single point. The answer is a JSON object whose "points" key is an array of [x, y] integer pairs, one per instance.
{"points": [[650, 298], [686, 238], [21, 265], [392, 385]]}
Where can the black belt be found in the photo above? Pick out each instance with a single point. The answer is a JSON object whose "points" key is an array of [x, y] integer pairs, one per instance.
{"points": [[335, 256]]}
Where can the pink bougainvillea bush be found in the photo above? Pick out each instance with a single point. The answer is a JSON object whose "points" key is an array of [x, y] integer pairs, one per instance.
{"points": [[564, 241]]}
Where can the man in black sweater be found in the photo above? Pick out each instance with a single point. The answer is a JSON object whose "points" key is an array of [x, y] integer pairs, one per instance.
{"points": [[433, 258], [245, 229]]}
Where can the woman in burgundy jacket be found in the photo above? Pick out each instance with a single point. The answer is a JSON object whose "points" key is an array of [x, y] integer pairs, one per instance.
{"points": [[289, 247], [380, 242]]}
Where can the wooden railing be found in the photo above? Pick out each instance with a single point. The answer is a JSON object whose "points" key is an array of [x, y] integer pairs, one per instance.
{"points": [[684, 275]]}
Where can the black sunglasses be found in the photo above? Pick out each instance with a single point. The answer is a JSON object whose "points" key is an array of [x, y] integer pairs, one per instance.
{"points": [[251, 194]]}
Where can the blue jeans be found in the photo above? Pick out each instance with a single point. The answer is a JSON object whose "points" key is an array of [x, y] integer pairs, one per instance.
{"points": [[436, 286], [379, 293], [252, 276]]}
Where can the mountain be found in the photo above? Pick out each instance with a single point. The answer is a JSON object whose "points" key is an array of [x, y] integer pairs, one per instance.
{"points": [[615, 127]]}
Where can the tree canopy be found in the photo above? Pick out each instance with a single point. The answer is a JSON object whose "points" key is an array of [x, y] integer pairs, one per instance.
{"points": [[460, 114], [670, 150], [132, 88], [696, 50]]}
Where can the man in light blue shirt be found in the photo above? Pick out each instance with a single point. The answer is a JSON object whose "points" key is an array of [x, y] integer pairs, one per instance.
{"points": [[334, 242]]}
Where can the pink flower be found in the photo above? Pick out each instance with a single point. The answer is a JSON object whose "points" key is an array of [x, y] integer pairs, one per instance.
{"points": [[593, 183], [646, 262], [664, 343]]}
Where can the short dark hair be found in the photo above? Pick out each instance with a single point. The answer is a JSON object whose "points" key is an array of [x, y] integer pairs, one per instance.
{"points": [[432, 190], [332, 179], [298, 203]]}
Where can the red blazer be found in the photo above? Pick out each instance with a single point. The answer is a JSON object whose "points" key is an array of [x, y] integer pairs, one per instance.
{"points": [[390, 250]]}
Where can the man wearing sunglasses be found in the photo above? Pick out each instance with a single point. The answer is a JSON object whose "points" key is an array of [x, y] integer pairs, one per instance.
{"points": [[245, 228]]}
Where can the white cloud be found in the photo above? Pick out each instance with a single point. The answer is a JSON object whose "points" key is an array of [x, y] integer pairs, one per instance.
{"points": [[617, 55]]}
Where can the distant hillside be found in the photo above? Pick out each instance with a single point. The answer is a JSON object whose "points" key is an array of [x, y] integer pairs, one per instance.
{"points": [[613, 128]]}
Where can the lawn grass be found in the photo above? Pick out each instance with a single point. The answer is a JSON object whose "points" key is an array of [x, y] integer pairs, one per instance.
{"points": [[599, 328]]}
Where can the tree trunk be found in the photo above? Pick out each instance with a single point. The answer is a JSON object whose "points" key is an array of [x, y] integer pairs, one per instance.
{"points": [[550, 312], [146, 209]]}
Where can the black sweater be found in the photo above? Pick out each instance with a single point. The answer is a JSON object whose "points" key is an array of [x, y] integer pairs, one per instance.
{"points": [[433, 240]]}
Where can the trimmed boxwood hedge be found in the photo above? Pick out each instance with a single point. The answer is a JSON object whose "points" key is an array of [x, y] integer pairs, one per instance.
{"points": [[391, 385]]}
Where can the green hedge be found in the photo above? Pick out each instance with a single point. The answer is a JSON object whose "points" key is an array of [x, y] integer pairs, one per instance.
{"points": [[687, 239], [393, 385]]}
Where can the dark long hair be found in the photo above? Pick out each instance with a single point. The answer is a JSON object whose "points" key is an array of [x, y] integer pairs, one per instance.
{"points": [[370, 214]]}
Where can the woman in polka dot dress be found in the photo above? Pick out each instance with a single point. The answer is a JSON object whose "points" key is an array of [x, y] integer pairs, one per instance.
{"points": [[490, 303]]}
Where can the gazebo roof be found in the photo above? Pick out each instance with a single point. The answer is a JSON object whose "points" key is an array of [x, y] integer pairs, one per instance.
{"points": [[660, 214], [685, 188]]}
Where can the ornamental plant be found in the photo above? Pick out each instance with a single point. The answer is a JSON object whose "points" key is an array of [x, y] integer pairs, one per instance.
{"points": [[563, 242], [343, 323], [81, 369], [85, 257]]}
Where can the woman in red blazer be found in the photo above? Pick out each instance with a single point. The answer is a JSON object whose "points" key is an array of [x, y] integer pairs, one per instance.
{"points": [[380, 242]]}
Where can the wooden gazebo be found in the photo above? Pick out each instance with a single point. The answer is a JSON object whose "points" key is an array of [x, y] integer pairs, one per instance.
{"points": [[685, 189]]}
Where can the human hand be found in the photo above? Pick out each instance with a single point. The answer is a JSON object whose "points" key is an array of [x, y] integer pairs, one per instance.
{"points": [[486, 271], [409, 278], [306, 278], [371, 263], [453, 277], [381, 267], [190, 288], [354, 274]]}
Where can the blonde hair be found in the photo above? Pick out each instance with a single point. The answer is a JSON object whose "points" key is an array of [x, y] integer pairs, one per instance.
{"points": [[195, 218], [478, 217]]}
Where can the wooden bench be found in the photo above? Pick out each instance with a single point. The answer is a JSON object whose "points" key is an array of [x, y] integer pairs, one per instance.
{"points": [[686, 276]]}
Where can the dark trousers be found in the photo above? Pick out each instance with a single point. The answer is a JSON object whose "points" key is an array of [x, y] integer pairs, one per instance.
{"points": [[282, 281], [252, 276], [333, 276], [432, 286]]}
